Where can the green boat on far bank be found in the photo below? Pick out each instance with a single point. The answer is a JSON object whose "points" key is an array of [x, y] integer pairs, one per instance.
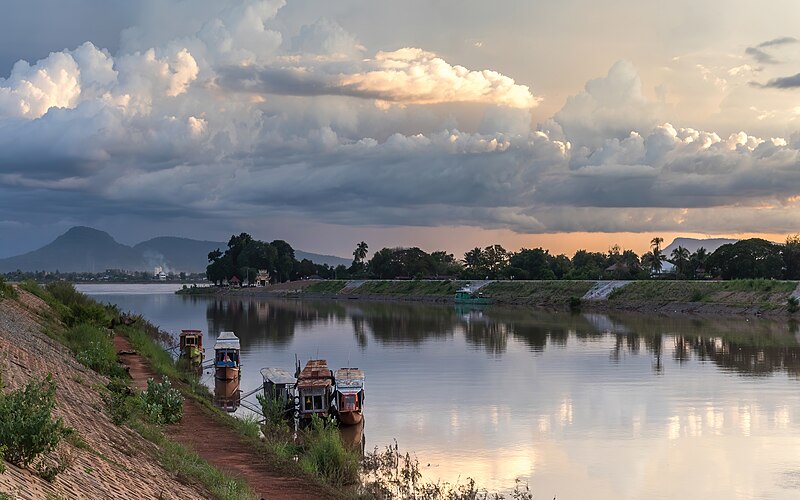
{"points": [[467, 295]]}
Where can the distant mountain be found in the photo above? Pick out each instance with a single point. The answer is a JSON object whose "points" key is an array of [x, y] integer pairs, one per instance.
{"points": [[316, 258], [693, 244], [83, 249], [79, 249]]}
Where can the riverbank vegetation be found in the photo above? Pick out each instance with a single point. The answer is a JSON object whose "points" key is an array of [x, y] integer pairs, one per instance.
{"points": [[247, 260]]}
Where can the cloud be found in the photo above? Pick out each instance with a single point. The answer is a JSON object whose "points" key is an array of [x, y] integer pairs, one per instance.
{"points": [[783, 82], [234, 119], [404, 76], [763, 56]]}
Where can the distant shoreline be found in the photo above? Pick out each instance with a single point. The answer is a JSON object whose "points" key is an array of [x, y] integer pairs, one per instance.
{"points": [[738, 297]]}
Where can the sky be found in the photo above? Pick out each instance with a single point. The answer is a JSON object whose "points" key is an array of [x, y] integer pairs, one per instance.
{"points": [[445, 125]]}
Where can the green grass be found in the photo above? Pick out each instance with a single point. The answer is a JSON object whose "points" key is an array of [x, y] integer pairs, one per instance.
{"points": [[410, 287], [160, 360], [554, 293], [93, 347], [327, 286], [7, 291], [767, 294]]}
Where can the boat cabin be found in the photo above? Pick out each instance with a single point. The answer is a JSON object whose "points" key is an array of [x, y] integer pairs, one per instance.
{"points": [[279, 384], [315, 389], [466, 295], [227, 362], [349, 391], [191, 345]]}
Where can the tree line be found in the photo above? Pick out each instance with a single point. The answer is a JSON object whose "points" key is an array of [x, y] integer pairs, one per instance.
{"points": [[745, 259]]}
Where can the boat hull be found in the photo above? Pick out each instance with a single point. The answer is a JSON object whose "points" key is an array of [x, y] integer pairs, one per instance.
{"points": [[226, 373], [350, 417]]}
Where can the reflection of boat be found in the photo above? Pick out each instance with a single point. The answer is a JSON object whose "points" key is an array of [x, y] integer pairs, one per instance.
{"points": [[226, 356], [281, 386], [353, 437], [349, 391], [227, 395], [467, 295], [315, 388], [191, 346]]}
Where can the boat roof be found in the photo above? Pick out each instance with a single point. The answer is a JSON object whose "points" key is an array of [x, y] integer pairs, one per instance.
{"points": [[350, 378], [191, 332], [227, 340], [278, 376], [315, 374]]}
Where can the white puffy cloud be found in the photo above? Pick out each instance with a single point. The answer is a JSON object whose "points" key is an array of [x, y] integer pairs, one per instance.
{"points": [[235, 118]]}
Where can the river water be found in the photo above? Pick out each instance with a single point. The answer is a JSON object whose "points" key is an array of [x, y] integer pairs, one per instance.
{"points": [[579, 406]]}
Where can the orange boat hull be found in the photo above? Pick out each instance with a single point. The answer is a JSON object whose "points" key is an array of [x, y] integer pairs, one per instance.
{"points": [[350, 417], [226, 373]]}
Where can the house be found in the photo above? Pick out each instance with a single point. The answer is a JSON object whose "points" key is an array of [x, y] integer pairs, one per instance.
{"points": [[263, 278], [235, 282]]}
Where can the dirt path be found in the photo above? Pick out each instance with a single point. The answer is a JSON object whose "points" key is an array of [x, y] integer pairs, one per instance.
{"points": [[219, 445]]}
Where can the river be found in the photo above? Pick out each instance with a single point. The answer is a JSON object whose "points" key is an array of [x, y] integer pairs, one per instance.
{"points": [[579, 406]]}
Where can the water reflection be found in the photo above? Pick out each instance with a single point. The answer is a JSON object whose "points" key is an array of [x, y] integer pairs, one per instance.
{"points": [[602, 406]]}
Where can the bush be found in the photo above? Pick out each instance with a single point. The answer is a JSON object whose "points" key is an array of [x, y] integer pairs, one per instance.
{"points": [[7, 291], [792, 304], [574, 303], [94, 348], [162, 404], [27, 428], [121, 402], [2, 459], [326, 456]]}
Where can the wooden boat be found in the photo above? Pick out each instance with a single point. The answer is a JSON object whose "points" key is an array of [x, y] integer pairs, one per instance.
{"points": [[227, 395], [349, 394], [466, 295], [191, 346], [227, 361], [315, 389], [281, 386]]}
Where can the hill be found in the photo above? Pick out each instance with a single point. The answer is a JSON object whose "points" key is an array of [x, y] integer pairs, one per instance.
{"points": [[693, 244], [79, 249], [84, 249]]}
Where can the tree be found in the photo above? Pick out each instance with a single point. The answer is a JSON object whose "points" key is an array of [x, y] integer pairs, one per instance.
{"points": [[791, 257], [698, 260], [747, 259], [657, 256], [360, 253], [680, 257], [532, 264]]}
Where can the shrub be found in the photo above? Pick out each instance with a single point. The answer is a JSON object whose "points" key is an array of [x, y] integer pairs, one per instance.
{"points": [[94, 348], [121, 402], [574, 303], [792, 304], [2, 458], [7, 291], [162, 404], [27, 428]]}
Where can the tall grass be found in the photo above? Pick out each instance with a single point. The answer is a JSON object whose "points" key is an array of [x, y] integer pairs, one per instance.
{"points": [[7, 291], [325, 455]]}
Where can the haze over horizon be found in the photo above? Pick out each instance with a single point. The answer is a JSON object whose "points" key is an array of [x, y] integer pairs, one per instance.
{"points": [[446, 126]]}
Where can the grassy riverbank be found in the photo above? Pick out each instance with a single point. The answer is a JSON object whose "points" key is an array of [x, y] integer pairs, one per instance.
{"points": [[710, 297]]}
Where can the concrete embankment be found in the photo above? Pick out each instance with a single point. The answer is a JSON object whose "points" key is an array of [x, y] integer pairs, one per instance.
{"points": [[108, 461], [768, 297]]}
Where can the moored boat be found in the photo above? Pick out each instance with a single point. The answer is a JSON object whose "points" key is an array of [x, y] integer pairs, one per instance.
{"points": [[349, 394], [227, 363], [466, 295], [315, 389], [191, 346], [281, 386]]}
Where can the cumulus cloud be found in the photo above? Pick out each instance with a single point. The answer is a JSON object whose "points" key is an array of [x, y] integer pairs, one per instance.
{"points": [[235, 118], [404, 76]]}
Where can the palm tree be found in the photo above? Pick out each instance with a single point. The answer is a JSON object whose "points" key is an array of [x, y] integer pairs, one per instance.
{"points": [[657, 257], [680, 257], [360, 253], [698, 259]]}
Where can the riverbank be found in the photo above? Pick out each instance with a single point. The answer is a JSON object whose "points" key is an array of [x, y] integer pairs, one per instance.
{"points": [[748, 297], [114, 448]]}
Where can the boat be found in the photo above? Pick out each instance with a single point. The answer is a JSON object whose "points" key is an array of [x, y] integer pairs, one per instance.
{"points": [[191, 346], [227, 361], [280, 386], [466, 295], [315, 389], [349, 393], [227, 395]]}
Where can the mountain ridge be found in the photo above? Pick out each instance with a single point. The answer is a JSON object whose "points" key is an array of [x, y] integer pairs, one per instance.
{"points": [[85, 249]]}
